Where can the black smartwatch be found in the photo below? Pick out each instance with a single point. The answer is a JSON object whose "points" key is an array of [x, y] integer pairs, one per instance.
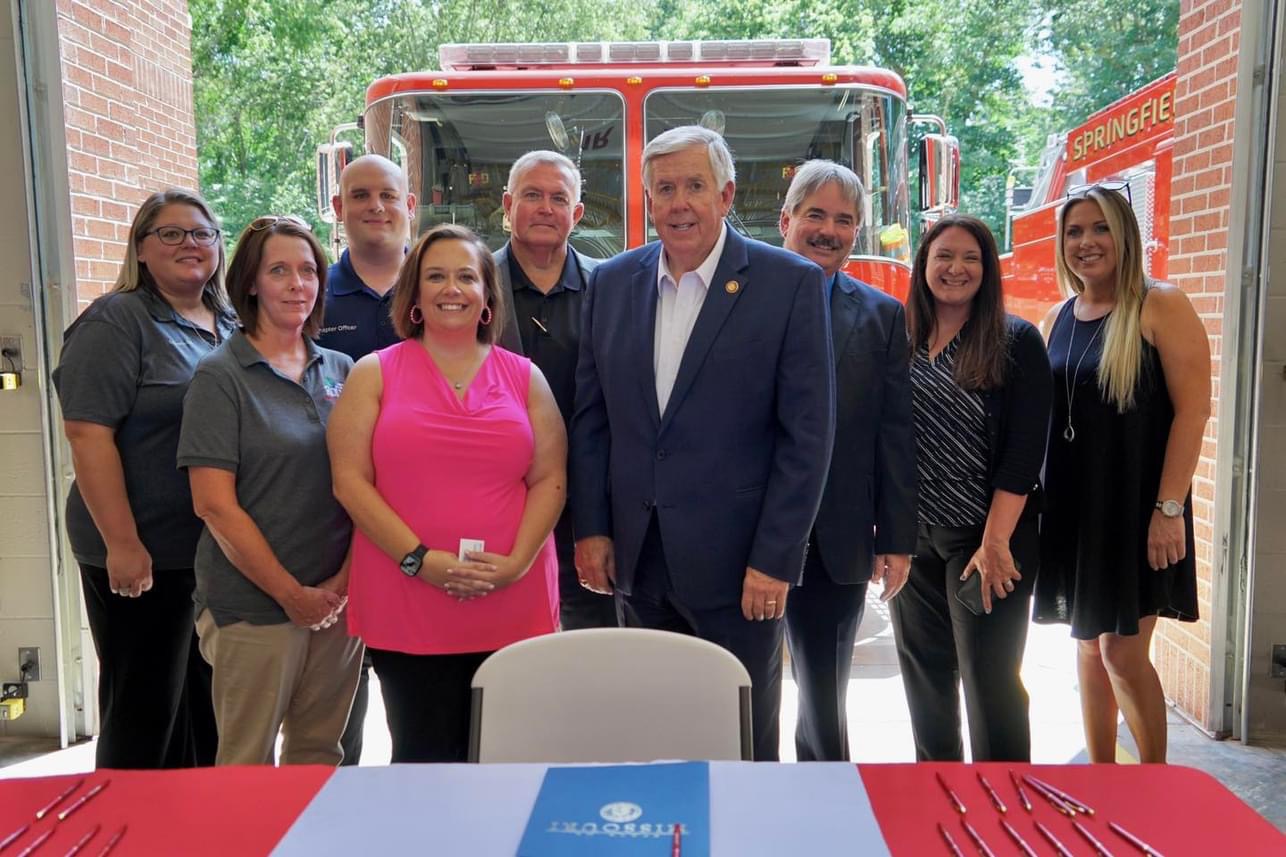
{"points": [[412, 562]]}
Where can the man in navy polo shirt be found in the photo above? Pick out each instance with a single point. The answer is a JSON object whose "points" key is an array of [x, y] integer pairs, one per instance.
{"points": [[375, 206]]}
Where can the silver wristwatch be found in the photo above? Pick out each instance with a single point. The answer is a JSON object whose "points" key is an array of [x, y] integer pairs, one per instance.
{"points": [[1170, 508]]}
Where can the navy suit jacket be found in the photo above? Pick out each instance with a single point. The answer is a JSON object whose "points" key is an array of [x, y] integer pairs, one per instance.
{"points": [[869, 505], [734, 468]]}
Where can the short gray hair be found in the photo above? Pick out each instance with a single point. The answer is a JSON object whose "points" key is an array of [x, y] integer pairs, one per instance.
{"points": [[812, 176], [685, 137], [544, 156]]}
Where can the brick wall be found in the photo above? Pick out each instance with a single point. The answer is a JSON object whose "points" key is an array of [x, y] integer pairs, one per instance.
{"points": [[1205, 96], [127, 93]]}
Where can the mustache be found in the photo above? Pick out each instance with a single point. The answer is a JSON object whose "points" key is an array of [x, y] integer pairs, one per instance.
{"points": [[821, 242]]}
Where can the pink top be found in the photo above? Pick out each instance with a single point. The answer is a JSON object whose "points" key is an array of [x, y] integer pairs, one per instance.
{"points": [[452, 469]]}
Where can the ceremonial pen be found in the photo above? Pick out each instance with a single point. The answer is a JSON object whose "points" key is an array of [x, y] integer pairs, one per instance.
{"points": [[37, 842], [1014, 835], [49, 807], [83, 799], [1022, 794], [15, 836], [1074, 803], [1054, 800], [977, 840], [1089, 837], [995, 798], [951, 843], [1120, 831], [1053, 840], [955, 798], [83, 841], [111, 843], [536, 322], [676, 844]]}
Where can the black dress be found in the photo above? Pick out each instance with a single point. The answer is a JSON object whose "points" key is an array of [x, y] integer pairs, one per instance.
{"points": [[1100, 493]]}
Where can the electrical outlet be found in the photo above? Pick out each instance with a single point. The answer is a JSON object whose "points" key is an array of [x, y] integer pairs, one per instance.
{"points": [[1279, 661], [29, 658], [11, 347]]}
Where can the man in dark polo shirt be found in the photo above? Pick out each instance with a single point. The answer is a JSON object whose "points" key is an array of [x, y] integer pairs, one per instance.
{"points": [[376, 207], [544, 278]]}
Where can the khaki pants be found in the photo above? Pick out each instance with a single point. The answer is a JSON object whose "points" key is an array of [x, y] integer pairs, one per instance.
{"points": [[280, 678]]}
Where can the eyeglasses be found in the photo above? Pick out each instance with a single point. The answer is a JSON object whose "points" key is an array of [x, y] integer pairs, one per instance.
{"points": [[175, 235], [1081, 191], [270, 220]]}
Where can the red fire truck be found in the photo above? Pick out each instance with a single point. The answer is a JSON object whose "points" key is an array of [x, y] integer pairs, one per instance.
{"points": [[778, 103], [1129, 140]]}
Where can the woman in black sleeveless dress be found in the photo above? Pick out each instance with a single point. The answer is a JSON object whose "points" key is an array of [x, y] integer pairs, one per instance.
{"points": [[1131, 366]]}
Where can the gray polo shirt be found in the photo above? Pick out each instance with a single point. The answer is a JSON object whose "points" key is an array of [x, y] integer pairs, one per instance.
{"points": [[242, 415], [126, 363]]}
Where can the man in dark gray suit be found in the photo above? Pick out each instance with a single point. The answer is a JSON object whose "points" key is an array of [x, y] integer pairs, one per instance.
{"points": [[865, 529], [543, 278]]}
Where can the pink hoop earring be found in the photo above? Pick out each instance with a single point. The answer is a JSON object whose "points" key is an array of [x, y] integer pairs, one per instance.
{"points": [[417, 317], [485, 318]]}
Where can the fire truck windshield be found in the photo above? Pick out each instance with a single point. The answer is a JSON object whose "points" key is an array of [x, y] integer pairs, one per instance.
{"points": [[459, 147], [771, 130]]}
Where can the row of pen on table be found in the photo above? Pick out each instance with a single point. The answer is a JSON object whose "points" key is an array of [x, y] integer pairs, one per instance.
{"points": [[47, 811], [1060, 800]]}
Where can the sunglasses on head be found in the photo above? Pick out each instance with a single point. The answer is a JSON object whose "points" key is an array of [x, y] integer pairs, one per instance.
{"points": [[1081, 191], [270, 220]]}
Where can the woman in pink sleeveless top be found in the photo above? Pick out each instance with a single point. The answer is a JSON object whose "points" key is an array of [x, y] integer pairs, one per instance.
{"points": [[439, 440]]}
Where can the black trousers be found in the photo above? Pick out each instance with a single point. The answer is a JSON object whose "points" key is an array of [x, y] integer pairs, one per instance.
{"points": [[654, 604], [154, 706], [351, 741], [941, 646], [427, 701], [822, 617]]}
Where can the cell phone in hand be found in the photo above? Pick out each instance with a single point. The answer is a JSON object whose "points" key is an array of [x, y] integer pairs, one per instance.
{"points": [[970, 594]]}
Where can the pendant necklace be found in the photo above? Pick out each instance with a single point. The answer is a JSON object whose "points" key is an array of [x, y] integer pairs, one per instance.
{"points": [[1069, 379]]}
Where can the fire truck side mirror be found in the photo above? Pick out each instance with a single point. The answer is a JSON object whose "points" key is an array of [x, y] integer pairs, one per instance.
{"points": [[331, 160], [939, 173]]}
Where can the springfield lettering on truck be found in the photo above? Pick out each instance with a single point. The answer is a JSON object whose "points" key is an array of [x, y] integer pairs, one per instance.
{"points": [[1142, 117]]}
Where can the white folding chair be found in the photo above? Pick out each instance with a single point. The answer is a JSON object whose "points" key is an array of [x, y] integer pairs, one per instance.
{"points": [[610, 695]]}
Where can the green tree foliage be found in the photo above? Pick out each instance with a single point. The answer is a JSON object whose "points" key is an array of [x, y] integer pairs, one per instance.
{"points": [[958, 59], [272, 77], [1105, 50]]}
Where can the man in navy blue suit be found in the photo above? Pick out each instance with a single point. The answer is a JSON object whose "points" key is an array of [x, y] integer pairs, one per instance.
{"points": [[705, 411], [866, 527]]}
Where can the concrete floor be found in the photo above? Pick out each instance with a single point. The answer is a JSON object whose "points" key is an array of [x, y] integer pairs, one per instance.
{"points": [[879, 725]]}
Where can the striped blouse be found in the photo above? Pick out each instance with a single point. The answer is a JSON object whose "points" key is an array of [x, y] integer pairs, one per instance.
{"points": [[950, 443]]}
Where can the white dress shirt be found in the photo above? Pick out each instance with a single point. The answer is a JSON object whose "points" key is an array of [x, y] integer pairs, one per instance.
{"points": [[678, 305]]}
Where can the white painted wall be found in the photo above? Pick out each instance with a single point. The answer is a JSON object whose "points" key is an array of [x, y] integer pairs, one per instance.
{"points": [[27, 597], [1266, 697]]}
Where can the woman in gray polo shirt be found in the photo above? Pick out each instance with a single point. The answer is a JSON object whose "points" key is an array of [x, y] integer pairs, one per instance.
{"points": [[126, 363], [271, 564]]}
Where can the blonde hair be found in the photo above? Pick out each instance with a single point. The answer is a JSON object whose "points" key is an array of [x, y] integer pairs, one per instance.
{"points": [[1122, 361], [134, 275]]}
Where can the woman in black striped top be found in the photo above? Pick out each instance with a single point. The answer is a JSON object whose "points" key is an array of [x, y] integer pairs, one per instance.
{"points": [[982, 395]]}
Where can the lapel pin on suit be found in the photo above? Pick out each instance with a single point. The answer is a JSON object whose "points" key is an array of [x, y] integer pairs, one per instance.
{"points": [[731, 287]]}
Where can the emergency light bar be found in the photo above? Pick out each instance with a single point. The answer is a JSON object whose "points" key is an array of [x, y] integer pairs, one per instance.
{"points": [[799, 52]]}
